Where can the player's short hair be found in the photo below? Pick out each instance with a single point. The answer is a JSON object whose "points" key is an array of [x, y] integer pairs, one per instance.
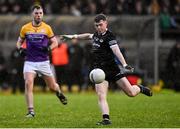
{"points": [[36, 6], [100, 17]]}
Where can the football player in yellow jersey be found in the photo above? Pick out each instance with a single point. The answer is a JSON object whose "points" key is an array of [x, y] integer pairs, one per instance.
{"points": [[37, 35]]}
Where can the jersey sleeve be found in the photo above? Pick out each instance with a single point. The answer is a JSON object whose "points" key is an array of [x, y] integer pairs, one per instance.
{"points": [[22, 32], [112, 39], [50, 33]]}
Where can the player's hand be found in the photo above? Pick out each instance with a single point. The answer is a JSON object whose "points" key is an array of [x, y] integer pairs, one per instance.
{"points": [[47, 49], [67, 37], [22, 52], [128, 68]]}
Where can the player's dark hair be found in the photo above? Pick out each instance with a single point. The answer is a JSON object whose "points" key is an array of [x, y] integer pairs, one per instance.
{"points": [[36, 6], [100, 17]]}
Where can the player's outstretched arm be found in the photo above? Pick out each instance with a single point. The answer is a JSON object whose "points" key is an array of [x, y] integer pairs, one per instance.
{"points": [[85, 36]]}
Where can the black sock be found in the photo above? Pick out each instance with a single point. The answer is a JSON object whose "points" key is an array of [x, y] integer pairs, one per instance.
{"points": [[58, 93], [106, 116], [145, 90], [30, 109], [141, 88]]}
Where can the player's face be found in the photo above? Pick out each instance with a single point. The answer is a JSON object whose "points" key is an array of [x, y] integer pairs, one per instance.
{"points": [[37, 15], [101, 26]]}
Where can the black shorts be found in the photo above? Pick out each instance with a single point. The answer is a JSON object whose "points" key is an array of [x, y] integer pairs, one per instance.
{"points": [[112, 71]]}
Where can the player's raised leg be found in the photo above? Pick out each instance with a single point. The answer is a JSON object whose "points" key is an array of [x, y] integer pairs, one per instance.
{"points": [[132, 90], [29, 82], [101, 90], [50, 81]]}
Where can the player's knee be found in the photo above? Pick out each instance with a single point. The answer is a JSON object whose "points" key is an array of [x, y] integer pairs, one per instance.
{"points": [[28, 82], [29, 86]]}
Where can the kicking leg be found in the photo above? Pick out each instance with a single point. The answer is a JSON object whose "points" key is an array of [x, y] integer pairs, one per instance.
{"points": [[132, 90]]}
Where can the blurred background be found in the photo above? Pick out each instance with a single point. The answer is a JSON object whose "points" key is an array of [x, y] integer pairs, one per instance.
{"points": [[148, 32]]}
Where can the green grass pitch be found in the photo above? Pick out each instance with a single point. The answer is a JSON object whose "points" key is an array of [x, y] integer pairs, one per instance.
{"points": [[161, 110]]}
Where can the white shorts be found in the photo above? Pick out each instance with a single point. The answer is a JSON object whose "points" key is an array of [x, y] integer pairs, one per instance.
{"points": [[41, 68]]}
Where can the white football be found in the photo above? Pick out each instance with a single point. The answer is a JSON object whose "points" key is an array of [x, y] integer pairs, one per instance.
{"points": [[97, 76]]}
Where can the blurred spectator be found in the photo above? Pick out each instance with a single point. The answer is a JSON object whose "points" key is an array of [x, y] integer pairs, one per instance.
{"points": [[154, 7], [14, 7], [60, 6], [60, 60], [64, 10], [92, 8], [175, 7], [48, 8], [56, 9], [75, 64], [173, 66], [165, 4], [3, 72], [129, 6], [79, 7], [89, 7], [165, 19], [139, 10], [87, 65], [25, 6], [119, 7], [16, 76], [75, 11], [103, 6], [175, 24], [4, 7]]}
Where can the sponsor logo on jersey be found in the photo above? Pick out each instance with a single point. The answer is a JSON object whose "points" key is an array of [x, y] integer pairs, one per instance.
{"points": [[35, 38], [101, 40]]}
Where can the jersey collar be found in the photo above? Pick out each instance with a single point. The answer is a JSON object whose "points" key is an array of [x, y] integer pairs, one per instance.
{"points": [[37, 25], [104, 32]]}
